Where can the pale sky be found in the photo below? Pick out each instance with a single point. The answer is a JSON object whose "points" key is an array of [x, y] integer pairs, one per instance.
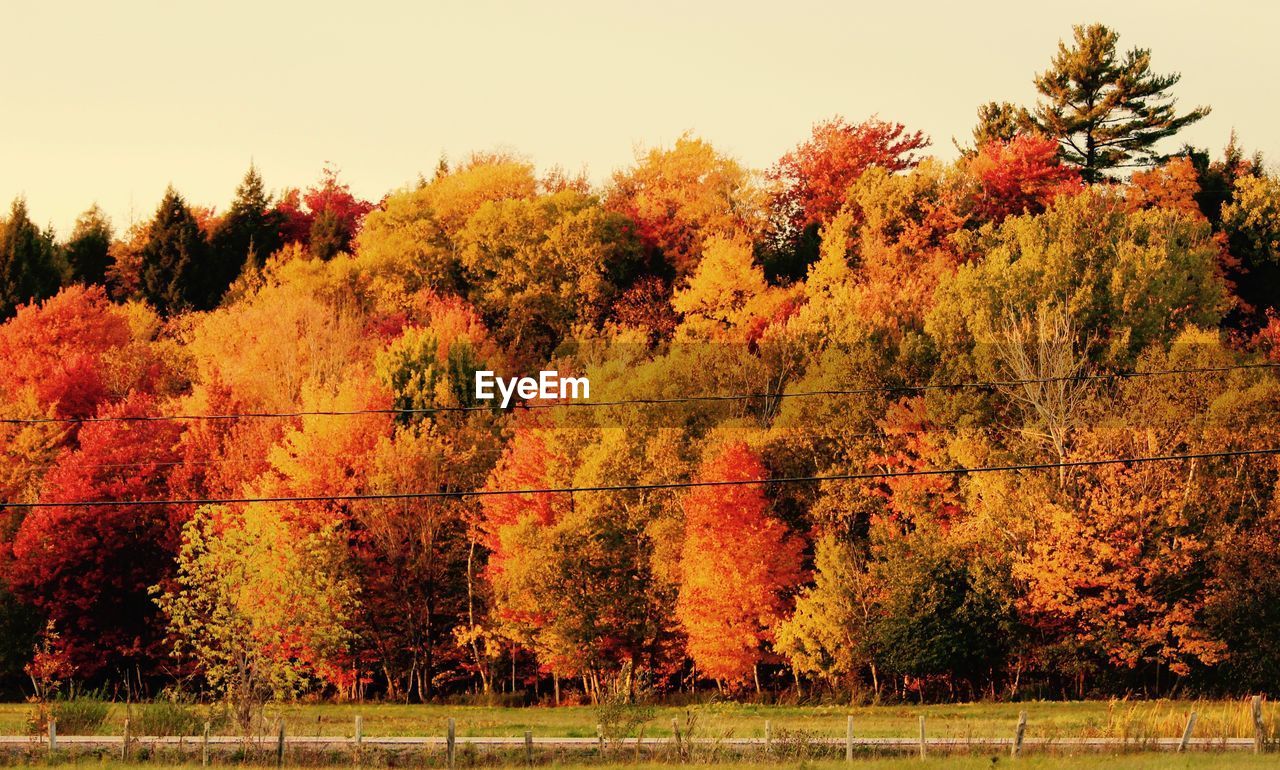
{"points": [[110, 102]]}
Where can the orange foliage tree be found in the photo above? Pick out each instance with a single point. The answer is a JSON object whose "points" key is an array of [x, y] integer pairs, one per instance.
{"points": [[678, 197], [738, 564]]}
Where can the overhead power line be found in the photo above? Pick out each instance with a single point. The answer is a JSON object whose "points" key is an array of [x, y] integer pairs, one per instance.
{"points": [[976, 384], [861, 476]]}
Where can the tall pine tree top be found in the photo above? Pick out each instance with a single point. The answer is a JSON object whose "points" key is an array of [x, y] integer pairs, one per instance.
{"points": [[247, 235], [88, 249], [174, 259], [29, 268], [1107, 111]]}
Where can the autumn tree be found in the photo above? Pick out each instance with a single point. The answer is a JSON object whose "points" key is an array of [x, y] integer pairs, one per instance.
{"points": [[884, 255], [89, 569], [1251, 221], [811, 182], [1047, 365], [336, 215], [414, 233], [738, 564], [1216, 178], [70, 357], [257, 607], [62, 350], [534, 268], [238, 344], [679, 196], [515, 529], [1107, 111], [238, 365], [1021, 175], [1173, 185], [722, 291], [88, 249], [29, 268], [283, 549], [829, 634], [416, 559], [1110, 269], [1115, 575], [583, 580]]}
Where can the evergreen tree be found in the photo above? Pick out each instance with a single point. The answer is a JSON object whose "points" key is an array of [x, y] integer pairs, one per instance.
{"points": [[174, 258], [1107, 111], [247, 235], [328, 236], [28, 261], [1001, 121], [87, 251]]}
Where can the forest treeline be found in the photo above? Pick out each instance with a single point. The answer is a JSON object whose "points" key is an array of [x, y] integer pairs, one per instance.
{"points": [[201, 355]]}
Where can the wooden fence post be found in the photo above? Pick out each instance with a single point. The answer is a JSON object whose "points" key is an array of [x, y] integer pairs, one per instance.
{"points": [[848, 739], [280, 745], [923, 751], [600, 737], [1259, 735], [1186, 732], [1019, 733], [53, 734], [528, 747], [675, 736], [124, 744], [204, 747], [768, 737], [449, 742]]}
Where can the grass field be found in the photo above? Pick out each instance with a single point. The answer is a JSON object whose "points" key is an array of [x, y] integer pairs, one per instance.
{"points": [[1084, 762], [1111, 719]]}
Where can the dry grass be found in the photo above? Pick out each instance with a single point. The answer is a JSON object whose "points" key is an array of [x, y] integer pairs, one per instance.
{"points": [[1132, 720]]}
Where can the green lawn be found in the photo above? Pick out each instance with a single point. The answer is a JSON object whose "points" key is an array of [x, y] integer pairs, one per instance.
{"points": [[1133, 719]]}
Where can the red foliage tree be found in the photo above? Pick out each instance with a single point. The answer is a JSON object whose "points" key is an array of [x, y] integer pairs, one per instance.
{"points": [[295, 220], [1021, 176], [737, 564], [326, 211], [89, 569], [814, 177], [58, 348]]}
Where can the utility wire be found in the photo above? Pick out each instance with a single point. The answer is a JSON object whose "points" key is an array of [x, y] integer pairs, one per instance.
{"points": [[862, 476], [647, 401]]}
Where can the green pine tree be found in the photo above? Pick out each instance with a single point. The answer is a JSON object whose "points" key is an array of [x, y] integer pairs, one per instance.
{"points": [[88, 249], [175, 258], [1107, 111], [29, 266], [1001, 121], [247, 235]]}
